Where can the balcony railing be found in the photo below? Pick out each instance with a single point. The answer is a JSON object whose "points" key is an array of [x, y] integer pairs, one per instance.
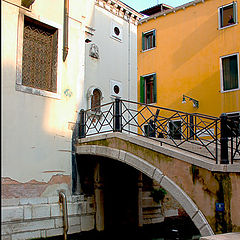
{"points": [[204, 135]]}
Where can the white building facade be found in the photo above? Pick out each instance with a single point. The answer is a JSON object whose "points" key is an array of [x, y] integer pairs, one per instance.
{"points": [[49, 72]]}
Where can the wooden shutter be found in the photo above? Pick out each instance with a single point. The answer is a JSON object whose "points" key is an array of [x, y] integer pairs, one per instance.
{"points": [[142, 90], [154, 38], [154, 88], [143, 41]]}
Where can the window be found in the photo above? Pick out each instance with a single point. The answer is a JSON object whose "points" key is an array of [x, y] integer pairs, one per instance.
{"points": [[39, 61], [148, 40], [148, 93], [175, 130], [37, 58], [230, 72], [227, 15], [96, 100]]}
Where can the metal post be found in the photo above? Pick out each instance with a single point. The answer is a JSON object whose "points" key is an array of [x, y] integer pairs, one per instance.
{"points": [[82, 127], [224, 139], [117, 116]]}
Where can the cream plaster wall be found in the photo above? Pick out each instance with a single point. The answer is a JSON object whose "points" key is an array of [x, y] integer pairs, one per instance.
{"points": [[36, 130]]}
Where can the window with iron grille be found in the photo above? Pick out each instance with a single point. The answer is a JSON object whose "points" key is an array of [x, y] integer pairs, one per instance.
{"points": [[39, 57]]}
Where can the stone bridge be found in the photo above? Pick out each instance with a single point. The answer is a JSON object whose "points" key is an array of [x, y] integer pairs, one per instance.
{"points": [[196, 182]]}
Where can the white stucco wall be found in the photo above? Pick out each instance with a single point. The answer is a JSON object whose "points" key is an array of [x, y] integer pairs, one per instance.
{"points": [[117, 59], [36, 130]]}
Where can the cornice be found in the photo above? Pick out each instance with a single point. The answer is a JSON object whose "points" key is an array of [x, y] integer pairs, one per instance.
{"points": [[120, 9]]}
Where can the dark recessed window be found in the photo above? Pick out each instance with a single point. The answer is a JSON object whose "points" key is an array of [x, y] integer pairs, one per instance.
{"points": [[230, 72], [148, 40], [116, 31]]}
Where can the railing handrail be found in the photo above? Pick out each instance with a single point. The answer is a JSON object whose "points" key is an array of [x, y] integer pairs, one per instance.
{"points": [[122, 114]]}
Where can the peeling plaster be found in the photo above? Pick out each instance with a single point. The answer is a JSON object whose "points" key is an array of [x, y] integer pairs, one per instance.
{"points": [[14, 189]]}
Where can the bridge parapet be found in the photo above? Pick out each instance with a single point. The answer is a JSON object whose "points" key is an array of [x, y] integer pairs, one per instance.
{"points": [[200, 134]]}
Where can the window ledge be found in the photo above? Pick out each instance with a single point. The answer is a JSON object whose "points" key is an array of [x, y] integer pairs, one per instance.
{"points": [[148, 49], [38, 92], [231, 90], [228, 26]]}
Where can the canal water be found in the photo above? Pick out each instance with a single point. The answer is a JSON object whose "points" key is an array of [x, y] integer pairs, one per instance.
{"points": [[171, 229]]}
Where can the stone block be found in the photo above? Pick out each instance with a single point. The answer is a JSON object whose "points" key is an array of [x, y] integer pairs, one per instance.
{"points": [[139, 164], [74, 209], [121, 156], [53, 199], [171, 213], [54, 232], [107, 151], [11, 214], [10, 202], [40, 211], [158, 175], [27, 212], [199, 220], [26, 235], [87, 222], [188, 205], [206, 231], [55, 210], [74, 229], [30, 226]]}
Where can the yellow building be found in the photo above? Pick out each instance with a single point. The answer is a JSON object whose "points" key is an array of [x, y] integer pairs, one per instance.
{"points": [[191, 53]]}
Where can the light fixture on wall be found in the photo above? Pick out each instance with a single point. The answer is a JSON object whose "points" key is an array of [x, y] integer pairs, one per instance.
{"points": [[195, 102]]}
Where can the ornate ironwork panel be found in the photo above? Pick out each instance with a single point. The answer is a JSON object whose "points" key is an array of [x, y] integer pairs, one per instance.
{"points": [[39, 63]]}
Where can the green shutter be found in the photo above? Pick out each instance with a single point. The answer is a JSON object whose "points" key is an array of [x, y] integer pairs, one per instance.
{"points": [[234, 12], [142, 90], [154, 38], [154, 88], [143, 41]]}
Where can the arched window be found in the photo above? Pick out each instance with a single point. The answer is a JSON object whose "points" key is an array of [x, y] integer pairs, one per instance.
{"points": [[96, 100]]}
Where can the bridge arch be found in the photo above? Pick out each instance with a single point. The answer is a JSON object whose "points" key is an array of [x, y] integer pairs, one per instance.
{"points": [[154, 173]]}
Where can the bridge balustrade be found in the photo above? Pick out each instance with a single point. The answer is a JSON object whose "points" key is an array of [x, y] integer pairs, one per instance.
{"points": [[201, 134]]}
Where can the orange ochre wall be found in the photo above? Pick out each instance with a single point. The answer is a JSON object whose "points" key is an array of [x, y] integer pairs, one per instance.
{"points": [[186, 59]]}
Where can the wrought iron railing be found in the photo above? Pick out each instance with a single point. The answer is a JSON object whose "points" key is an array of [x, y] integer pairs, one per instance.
{"points": [[200, 134]]}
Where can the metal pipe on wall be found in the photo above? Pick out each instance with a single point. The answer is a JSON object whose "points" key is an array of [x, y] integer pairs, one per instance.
{"points": [[63, 201], [65, 29]]}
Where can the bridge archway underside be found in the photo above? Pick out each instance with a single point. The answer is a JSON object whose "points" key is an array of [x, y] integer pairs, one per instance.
{"points": [[197, 183]]}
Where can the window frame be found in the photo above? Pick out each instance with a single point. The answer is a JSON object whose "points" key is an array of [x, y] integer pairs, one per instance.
{"points": [[219, 15], [143, 89], [154, 39], [19, 85], [221, 73]]}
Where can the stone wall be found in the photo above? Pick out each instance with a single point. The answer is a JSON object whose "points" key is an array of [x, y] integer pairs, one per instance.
{"points": [[28, 218]]}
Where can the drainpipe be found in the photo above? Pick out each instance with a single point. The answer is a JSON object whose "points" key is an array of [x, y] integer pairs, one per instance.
{"points": [[63, 201], [129, 67], [65, 29]]}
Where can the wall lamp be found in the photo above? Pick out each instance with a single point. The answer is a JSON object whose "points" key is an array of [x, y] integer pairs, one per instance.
{"points": [[195, 102]]}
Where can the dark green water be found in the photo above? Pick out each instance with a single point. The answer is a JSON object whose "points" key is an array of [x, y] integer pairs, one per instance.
{"points": [[171, 229]]}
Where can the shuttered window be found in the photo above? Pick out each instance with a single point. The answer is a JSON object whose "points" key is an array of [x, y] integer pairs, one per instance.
{"points": [[230, 72], [148, 89], [148, 40]]}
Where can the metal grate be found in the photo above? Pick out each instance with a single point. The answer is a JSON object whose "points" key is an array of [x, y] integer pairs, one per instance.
{"points": [[39, 63]]}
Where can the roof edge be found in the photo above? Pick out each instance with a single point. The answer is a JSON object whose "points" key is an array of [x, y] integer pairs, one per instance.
{"points": [[173, 10]]}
